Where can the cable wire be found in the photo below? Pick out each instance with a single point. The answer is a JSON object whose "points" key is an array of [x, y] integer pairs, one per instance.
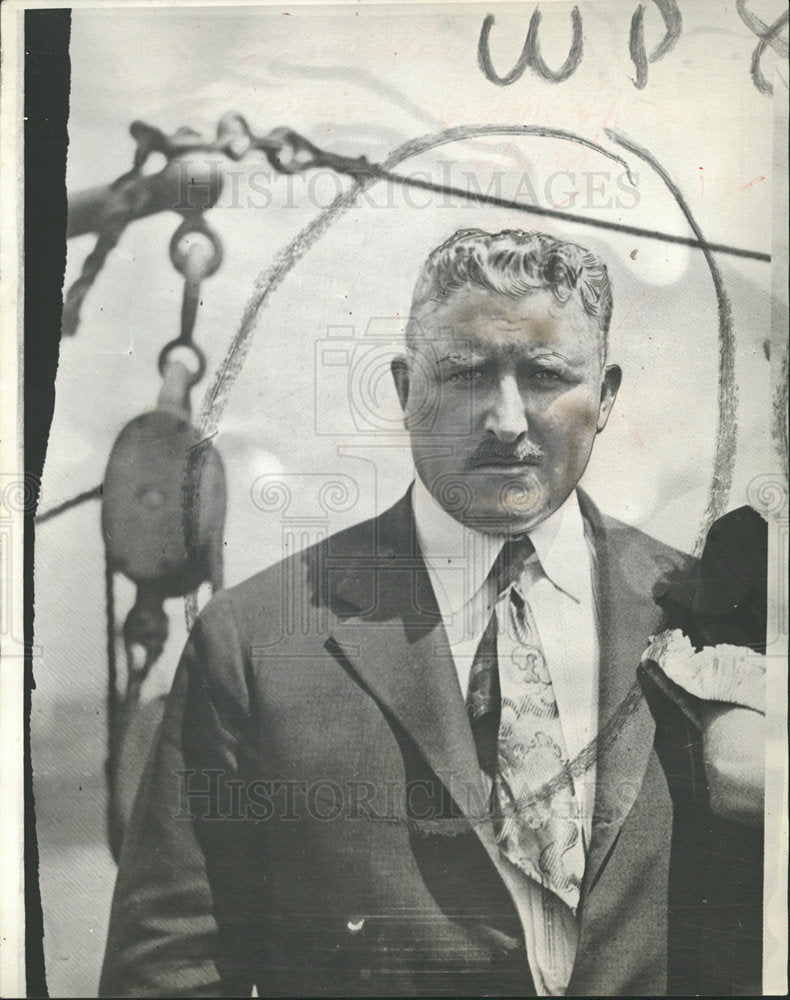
{"points": [[618, 227]]}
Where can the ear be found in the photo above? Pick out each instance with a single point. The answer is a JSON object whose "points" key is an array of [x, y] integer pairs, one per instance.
{"points": [[612, 377], [400, 374]]}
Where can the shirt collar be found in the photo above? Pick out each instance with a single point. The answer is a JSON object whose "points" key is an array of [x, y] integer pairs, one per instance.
{"points": [[562, 548], [460, 558]]}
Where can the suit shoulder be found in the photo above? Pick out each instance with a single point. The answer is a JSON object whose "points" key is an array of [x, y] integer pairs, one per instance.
{"points": [[637, 540], [247, 602], [651, 566], [628, 543]]}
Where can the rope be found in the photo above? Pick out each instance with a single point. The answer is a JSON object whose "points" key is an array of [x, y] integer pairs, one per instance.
{"points": [[108, 239], [75, 501], [113, 817]]}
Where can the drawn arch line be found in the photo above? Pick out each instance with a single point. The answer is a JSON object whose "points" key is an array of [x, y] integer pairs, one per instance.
{"points": [[269, 280]]}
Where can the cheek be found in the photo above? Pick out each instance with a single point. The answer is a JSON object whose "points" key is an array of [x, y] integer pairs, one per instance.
{"points": [[441, 409], [572, 421], [421, 405]]}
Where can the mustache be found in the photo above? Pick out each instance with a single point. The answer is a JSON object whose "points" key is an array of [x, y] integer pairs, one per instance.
{"points": [[490, 449]]}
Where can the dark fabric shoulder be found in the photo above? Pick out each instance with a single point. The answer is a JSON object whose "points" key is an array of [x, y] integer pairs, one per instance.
{"points": [[650, 565], [648, 548], [664, 569], [256, 604]]}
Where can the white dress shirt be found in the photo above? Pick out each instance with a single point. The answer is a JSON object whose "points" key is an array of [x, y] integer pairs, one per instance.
{"points": [[558, 584]]}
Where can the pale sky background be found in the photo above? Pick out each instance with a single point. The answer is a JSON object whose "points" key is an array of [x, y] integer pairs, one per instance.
{"points": [[362, 80]]}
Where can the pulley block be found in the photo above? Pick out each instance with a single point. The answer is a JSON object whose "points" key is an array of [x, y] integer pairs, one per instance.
{"points": [[163, 509]]}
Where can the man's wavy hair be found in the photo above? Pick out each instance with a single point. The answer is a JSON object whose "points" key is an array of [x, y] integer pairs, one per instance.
{"points": [[514, 263]]}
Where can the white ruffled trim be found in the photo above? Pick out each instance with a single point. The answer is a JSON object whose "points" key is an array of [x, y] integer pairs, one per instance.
{"points": [[733, 674]]}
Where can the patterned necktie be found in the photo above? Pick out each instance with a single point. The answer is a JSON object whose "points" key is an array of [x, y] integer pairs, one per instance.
{"points": [[537, 818], [483, 693]]}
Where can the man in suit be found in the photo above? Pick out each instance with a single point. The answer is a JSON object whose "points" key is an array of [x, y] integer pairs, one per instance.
{"points": [[442, 781]]}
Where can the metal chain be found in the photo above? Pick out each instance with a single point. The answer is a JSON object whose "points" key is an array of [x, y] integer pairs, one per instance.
{"points": [[195, 262], [290, 153], [286, 150], [134, 194]]}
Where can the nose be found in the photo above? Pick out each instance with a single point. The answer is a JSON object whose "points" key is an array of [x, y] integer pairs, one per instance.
{"points": [[506, 416]]}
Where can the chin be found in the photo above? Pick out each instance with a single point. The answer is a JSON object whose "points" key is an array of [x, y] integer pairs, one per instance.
{"points": [[492, 502], [517, 512], [518, 498], [507, 521]]}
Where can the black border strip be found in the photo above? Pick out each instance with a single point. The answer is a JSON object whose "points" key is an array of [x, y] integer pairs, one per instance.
{"points": [[47, 77]]}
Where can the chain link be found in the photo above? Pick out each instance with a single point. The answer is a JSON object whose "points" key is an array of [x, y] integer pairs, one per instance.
{"points": [[195, 261]]}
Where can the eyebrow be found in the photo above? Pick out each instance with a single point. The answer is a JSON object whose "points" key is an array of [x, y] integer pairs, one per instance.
{"points": [[473, 357], [452, 358], [549, 354]]}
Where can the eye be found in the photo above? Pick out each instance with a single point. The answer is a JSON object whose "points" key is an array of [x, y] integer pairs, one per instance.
{"points": [[464, 376], [546, 376]]}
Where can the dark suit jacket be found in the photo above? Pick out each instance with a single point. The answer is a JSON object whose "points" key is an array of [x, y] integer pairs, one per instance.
{"points": [[310, 819]]}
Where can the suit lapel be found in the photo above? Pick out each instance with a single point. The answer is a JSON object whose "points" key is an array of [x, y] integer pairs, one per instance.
{"points": [[628, 615], [397, 646], [413, 679]]}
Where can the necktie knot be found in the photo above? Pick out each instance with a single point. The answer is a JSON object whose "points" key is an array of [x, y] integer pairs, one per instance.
{"points": [[483, 694], [511, 561]]}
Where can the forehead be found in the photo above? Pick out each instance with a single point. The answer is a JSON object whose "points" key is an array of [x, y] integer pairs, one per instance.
{"points": [[490, 323]]}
